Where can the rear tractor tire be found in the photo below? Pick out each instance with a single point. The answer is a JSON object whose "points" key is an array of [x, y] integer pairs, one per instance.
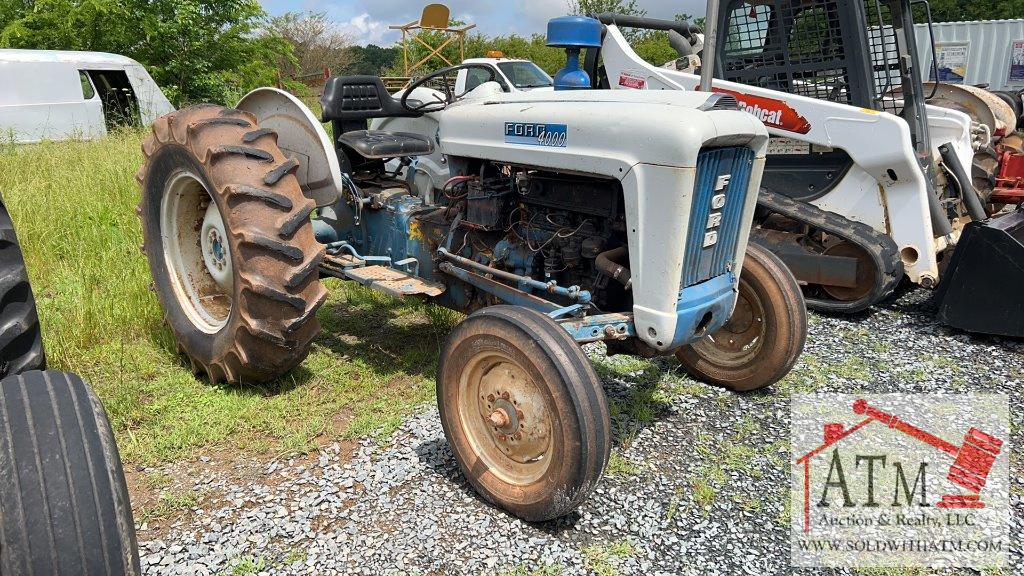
{"points": [[21, 340], [523, 411], [765, 336], [230, 244]]}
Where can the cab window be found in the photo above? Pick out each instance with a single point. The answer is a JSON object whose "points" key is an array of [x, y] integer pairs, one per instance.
{"points": [[476, 77], [526, 74]]}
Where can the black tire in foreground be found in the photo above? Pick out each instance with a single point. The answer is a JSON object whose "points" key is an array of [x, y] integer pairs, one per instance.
{"points": [[765, 336], [523, 411], [64, 507], [21, 341]]}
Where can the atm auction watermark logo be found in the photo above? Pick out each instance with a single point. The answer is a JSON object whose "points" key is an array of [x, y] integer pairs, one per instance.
{"points": [[900, 480]]}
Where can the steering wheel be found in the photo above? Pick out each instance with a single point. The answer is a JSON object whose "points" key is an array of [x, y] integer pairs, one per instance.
{"points": [[450, 96]]}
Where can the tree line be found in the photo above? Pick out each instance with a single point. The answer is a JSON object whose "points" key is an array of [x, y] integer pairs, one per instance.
{"points": [[217, 50]]}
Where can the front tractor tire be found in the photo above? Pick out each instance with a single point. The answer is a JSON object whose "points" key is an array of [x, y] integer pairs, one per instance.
{"points": [[230, 244], [523, 411], [765, 336]]}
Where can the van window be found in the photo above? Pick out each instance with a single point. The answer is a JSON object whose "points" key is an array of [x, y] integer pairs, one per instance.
{"points": [[88, 92]]}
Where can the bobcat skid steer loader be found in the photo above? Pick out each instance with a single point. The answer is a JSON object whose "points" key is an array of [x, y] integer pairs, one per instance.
{"points": [[865, 180]]}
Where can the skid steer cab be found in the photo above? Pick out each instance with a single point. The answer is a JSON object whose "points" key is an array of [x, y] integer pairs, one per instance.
{"points": [[871, 174], [569, 217]]}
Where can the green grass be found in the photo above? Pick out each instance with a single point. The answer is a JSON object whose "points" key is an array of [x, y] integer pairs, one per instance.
{"points": [[619, 465], [74, 208], [169, 505], [603, 560]]}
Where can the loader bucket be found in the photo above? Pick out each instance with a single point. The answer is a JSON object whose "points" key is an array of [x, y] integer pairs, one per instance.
{"points": [[982, 290]]}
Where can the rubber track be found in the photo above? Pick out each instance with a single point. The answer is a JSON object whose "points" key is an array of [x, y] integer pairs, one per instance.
{"points": [[880, 247]]}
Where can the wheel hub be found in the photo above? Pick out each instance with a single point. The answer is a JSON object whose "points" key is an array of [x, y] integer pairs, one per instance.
{"points": [[216, 254], [742, 336], [507, 418], [196, 252], [506, 396]]}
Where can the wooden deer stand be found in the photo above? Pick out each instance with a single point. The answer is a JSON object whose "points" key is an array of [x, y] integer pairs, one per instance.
{"points": [[434, 17]]}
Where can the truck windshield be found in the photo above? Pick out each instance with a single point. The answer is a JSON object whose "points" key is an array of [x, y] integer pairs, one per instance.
{"points": [[525, 74]]}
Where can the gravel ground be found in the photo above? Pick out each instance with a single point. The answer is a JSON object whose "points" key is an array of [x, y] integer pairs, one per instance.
{"points": [[697, 483]]}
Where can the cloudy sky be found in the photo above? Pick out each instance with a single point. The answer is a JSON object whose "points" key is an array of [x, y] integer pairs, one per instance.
{"points": [[367, 21]]}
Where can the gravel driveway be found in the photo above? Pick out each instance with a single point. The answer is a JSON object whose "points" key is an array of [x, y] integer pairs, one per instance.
{"points": [[697, 484]]}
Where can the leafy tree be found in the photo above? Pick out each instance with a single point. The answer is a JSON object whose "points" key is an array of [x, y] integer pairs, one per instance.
{"points": [[371, 59], [960, 10], [317, 43], [626, 7]]}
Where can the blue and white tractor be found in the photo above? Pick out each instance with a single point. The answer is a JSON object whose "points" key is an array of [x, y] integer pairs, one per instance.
{"points": [[569, 217]]}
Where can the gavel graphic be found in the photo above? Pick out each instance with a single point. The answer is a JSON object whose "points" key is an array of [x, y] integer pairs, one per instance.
{"points": [[973, 460]]}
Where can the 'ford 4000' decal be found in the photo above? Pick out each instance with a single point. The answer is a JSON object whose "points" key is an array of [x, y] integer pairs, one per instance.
{"points": [[531, 134]]}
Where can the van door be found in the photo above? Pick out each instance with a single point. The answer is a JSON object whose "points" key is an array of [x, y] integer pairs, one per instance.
{"points": [[120, 106]]}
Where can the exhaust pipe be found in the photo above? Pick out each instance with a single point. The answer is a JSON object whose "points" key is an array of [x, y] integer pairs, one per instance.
{"points": [[707, 63], [967, 193]]}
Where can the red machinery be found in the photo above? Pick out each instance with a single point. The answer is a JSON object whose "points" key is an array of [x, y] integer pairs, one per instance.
{"points": [[973, 459]]}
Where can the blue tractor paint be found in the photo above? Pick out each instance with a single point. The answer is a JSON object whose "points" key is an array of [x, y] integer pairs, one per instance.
{"points": [[573, 33], [704, 308], [532, 134], [719, 196], [324, 232]]}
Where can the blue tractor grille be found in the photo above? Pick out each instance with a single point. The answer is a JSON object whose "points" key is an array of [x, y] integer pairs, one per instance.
{"points": [[711, 244]]}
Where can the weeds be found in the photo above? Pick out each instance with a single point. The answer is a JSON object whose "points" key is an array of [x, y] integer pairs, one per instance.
{"points": [[603, 560]]}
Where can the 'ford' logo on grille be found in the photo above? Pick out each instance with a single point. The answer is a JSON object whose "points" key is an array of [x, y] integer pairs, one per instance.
{"points": [[715, 217]]}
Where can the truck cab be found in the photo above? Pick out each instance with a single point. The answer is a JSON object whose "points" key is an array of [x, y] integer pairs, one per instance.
{"points": [[513, 74]]}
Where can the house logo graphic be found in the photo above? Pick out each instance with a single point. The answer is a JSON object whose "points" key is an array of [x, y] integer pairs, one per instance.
{"points": [[900, 480], [972, 463]]}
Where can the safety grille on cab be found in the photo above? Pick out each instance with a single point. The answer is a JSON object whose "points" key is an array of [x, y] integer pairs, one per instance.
{"points": [[715, 222]]}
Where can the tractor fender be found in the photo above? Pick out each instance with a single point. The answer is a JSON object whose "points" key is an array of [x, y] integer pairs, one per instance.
{"points": [[300, 135]]}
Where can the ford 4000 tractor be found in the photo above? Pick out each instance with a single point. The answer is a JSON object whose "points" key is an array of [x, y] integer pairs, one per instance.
{"points": [[569, 217]]}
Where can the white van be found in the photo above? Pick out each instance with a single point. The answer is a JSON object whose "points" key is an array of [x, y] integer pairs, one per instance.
{"points": [[58, 95]]}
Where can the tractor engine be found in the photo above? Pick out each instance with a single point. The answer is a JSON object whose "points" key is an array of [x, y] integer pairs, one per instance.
{"points": [[544, 225]]}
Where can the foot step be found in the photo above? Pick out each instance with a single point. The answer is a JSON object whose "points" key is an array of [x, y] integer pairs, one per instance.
{"points": [[343, 261], [394, 282]]}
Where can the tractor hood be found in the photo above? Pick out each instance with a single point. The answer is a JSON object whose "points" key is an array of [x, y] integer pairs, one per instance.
{"points": [[689, 99], [596, 132]]}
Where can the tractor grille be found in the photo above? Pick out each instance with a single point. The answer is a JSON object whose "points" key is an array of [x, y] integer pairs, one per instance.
{"points": [[702, 261]]}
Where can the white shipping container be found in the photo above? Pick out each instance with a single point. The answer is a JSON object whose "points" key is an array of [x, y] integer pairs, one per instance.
{"points": [[990, 50]]}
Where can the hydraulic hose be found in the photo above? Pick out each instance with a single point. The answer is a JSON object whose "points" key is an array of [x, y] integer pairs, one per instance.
{"points": [[967, 193], [606, 262]]}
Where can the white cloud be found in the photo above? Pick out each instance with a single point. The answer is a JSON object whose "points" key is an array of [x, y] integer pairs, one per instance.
{"points": [[363, 29]]}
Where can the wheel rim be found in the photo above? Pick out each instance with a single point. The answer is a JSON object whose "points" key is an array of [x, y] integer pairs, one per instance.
{"points": [[196, 252], [506, 418], [741, 338]]}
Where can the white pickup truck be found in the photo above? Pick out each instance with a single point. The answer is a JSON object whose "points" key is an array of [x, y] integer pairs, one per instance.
{"points": [[513, 75]]}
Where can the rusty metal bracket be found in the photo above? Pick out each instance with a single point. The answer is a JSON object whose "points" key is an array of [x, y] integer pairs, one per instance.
{"points": [[600, 327]]}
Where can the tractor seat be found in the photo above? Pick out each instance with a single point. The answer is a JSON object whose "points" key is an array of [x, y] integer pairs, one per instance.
{"points": [[378, 144]]}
